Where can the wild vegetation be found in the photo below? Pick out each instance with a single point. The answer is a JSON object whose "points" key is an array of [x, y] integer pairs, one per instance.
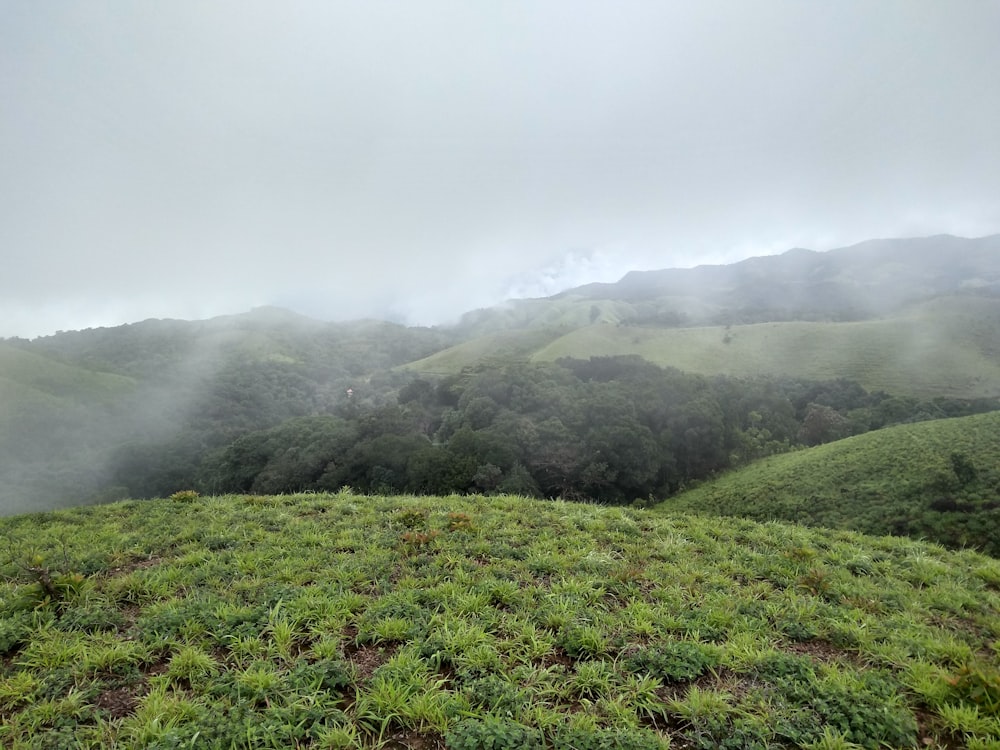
{"points": [[612, 430], [943, 347], [526, 398], [338, 621], [938, 480]]}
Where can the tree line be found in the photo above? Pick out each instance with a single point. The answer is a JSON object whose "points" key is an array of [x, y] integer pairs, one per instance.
{"points": [[608, 429]]}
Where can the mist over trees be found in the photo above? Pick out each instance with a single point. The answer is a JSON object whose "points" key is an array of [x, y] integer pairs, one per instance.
{"points": [[555, 397], [611, 429]]}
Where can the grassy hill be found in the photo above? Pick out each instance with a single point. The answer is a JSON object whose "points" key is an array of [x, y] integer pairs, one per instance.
{"points": [[943, 347], [25, 375], [901, 479], [502, 346], [344, 621]]}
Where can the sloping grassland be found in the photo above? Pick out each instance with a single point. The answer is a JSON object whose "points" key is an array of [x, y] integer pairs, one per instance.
{"points": [[467, 622], [945, 347], [939, 480]]}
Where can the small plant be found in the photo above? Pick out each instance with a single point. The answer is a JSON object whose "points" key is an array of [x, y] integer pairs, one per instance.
{"points": [[673, 662], [459, 522], [832, 740], [190, 664], [583, 641], [185, 496], [491, 733], [816, 582], [412, 518], [978, 684], [48, 586]]}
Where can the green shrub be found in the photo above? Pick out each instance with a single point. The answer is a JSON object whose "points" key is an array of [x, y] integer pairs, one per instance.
{"points": [[607, 739], [491, 733], [675, 661]]}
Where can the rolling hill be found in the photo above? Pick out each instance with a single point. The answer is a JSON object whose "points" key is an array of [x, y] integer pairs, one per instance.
{"points": [[903, 480], [947, 346], [341, 621]]}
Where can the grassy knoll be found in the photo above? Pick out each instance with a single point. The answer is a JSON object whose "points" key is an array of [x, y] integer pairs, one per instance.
{"points": [[501, 346], [901, 479], [946, 347], [347, 621], [26, 375]]}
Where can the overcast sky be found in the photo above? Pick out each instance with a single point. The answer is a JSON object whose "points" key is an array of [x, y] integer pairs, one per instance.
{"points": [[417, 159]]}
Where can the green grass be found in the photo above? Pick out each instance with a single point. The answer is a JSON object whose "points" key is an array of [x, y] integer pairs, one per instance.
{"points": [[897, 480], [50, 379], [946, 347], [333, 621], [502, 346], [32, 384]]}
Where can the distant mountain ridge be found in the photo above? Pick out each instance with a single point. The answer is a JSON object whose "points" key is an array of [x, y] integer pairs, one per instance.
{"points": [[859, 282], [925, 266]]}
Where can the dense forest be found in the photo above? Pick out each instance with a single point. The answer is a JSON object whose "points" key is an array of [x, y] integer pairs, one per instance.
{"points": [[614, 430]]}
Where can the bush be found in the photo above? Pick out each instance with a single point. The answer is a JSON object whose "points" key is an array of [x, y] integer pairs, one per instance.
{"points": [[492, 733], [673, 662]]}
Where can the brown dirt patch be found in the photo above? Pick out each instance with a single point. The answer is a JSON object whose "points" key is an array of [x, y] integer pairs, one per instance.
{"points": [[556, 656], [821, 651], [366, 659], [415, 740], [121, 702], [932, 737], [139, 564]]}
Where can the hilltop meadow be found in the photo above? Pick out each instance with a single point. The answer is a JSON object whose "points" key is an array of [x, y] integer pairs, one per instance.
{"points": [[351, 621]]}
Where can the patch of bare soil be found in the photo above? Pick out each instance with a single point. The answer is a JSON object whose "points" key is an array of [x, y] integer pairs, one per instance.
{"points": [[366, 659], [415, 740], [121, 701], [138, 564], [822, 651]]}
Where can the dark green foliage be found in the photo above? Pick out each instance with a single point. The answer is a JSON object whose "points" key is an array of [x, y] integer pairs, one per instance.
{"points": [[491, 733], [965, 472], [673, 661], [605, 739], [91, 618], [727, 732], [15, 630], [867, 711]]}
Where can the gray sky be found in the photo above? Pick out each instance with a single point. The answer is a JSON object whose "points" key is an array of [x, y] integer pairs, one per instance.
{"points": [[416, 159]]}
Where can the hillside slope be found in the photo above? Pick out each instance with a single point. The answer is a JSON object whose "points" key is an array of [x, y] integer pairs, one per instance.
{"points": [[900, 479], [344, 621], [943, 347]]}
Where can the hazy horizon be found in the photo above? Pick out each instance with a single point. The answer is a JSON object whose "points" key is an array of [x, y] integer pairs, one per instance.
{"points": [[415, 161]]}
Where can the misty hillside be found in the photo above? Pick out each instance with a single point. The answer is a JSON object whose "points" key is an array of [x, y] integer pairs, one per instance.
{"points": [[160, 392], [601, 393], [946, 346], [868, 280]]}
